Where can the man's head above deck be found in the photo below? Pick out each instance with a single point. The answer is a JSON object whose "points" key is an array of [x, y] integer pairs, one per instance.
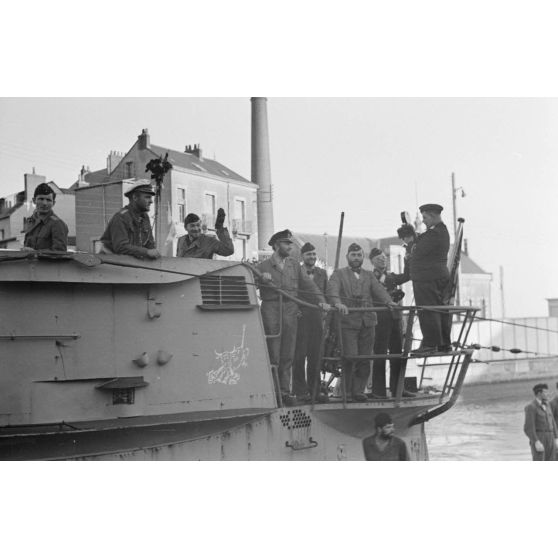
{"points": [[355, 256]]}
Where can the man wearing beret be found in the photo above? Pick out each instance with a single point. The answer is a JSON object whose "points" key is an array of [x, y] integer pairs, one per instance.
{"points": [[129, 230], [389, 330], [284, 272], [195, 244], [353, 286], [431, 278], [383, 445], [310, 331], [44, 230], [540, 426]]}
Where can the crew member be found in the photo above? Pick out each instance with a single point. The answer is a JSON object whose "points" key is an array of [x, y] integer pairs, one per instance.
{"points": [[129, 230], [44, 230], [554, 408], [195, 244], [389, 333], [310, 331], [284, 272], [353, 286], [431, 281], [384, 445], [408, 235], [540, 426]]}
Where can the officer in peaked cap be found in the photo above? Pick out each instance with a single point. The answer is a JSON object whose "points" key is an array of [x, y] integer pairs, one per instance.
{"points": [[129, 230], [430, 275], [44, 230], [281, 236], [310, 331], [353, 286], [195, 244], [284, 272]]}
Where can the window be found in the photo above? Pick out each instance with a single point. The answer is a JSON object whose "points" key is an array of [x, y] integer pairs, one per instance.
{"points": [[2, 234], [181, 200], [239, 209], [209, 202], [129, 169]]}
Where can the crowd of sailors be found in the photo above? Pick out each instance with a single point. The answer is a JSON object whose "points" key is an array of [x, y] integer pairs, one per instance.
{"points": [[296, 332]]}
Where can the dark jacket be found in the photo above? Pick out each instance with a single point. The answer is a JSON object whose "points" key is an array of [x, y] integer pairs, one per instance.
{"points": [[47, 232], [291, 279], [319, 276], [429, 257], [129, 232], [554, 408], [537, 420], [400, 278], [343, 287], [205, 246]]}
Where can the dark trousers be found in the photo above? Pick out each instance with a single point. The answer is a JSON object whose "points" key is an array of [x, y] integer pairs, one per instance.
{"points": [[307, 359], [357, 342], [549, 453], [281, 349], [435, 325], [388, 338]]}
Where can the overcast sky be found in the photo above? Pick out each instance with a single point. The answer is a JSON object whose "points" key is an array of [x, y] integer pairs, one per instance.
{"points": [[371, 158]]}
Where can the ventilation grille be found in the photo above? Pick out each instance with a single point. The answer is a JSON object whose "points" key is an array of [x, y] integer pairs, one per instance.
{"points": [[224, 290], [295, 419]]}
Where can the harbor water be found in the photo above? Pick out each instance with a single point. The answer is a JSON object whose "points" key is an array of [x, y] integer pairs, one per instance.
{"points": [[486, 424]]}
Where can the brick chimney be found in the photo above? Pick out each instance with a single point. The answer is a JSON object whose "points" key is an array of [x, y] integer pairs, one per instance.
{"points": [[143, 138], [113, 158], [195, 150]]}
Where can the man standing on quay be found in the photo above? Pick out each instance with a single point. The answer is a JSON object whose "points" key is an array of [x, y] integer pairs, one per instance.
{"points": [[540, 426]]}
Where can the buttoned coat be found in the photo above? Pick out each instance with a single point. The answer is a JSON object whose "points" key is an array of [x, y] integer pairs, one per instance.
{"points": [[538, 420], [343, 287], [429, 256]]}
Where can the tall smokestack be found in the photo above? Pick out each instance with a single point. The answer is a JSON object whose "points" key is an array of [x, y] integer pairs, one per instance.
{"points": [[261, 171]]}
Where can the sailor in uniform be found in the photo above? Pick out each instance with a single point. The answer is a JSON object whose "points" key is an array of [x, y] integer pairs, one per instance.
{"points": [[540, 426], [431, 280], [195, 244], [353, 286], [129, 230], [44, 230], [280, 314], [310, 331]]}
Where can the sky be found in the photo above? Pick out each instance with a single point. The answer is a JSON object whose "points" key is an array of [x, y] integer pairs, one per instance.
{"points": [[368, 157]]}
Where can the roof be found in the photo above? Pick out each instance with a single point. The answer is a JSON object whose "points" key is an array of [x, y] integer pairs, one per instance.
{"points": [[94, 177], [8, 211], [191, 162]]}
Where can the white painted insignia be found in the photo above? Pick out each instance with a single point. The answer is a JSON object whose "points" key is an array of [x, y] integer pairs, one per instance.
{"points": [[230, 363]]}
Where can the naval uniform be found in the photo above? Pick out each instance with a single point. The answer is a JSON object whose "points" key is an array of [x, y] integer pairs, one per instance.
{"points": [[389, 331], [46, 232], [395, 450], [287, 275], [129, 232], [356, 289], [431, 284], [540, 425], [310, 331], [205, 246]]}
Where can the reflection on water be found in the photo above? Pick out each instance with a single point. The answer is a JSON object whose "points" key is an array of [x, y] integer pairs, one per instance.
{"points": [[486, 424]]}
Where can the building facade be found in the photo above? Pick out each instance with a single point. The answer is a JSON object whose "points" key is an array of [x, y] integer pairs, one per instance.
{"points": [[194, 185]]}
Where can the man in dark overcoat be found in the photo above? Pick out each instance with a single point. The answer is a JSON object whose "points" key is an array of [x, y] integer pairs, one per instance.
{"points": [[431, 280], [540, 426]]}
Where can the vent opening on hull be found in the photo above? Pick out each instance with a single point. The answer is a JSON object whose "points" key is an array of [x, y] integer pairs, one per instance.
{"points": [[224, 292]]}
